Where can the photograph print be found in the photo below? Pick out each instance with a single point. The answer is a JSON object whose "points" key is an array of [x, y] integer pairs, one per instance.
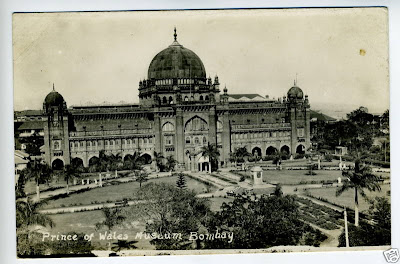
{"points": [[201, 132]]}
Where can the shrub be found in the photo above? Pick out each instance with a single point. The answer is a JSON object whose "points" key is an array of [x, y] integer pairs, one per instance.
{"points": [[328, 157]]}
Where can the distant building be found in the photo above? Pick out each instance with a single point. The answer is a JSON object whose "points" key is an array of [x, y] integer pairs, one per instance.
{"points": [[340, 151], [21, 160], [180, 110]]}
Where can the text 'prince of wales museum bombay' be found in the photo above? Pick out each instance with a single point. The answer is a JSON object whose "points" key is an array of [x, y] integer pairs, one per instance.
{"points": [[180, 110]]}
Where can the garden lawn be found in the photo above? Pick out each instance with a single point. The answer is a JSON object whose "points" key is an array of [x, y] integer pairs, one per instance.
{"points": [[296, 176], [118, 192], [347, 198]]}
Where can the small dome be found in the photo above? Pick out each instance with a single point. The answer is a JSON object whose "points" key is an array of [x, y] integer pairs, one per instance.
{"points": [[176, 61], [54, 99], [295, 93]]}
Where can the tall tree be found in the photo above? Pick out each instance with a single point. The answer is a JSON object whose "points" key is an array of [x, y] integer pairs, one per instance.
{"points": [[159, 160], [265, 222], [69, 172], [171, 211], [360, 179], [27, 214], [212, 153], [171, 162], [141, 176], [241, 154], [181, 182], [123, 244], [40, 172], [113, 217]]}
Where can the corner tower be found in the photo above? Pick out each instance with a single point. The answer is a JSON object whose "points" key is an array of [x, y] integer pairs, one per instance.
{"points": [[56, 140], [298, 109]]}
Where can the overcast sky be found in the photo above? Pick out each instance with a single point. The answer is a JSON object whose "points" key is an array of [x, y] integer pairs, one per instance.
{"points": [[339, 55]]}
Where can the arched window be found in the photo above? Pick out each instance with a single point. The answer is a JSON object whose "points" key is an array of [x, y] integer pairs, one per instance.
{"points": [[145, 141], [170, 100], [187, 140], [89, 144], [201, 98], [186, 99], [196, 124], [196, 140], [204, 140], [207, 98], [164, 100], [81, 144], [111, 143], [168, 127], [76, 144], [72, 145]]}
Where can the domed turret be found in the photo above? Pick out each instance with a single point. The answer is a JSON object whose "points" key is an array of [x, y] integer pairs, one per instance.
{"points": [[295, 92], [54, 99], [176, 61]]}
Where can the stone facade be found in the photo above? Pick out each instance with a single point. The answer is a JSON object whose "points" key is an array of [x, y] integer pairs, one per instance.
{"points": [[179, 111]]}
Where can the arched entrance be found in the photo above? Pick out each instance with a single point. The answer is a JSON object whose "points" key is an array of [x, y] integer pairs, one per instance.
{"points": [[285, 150], [94, 161], [300, 149], [256, 152], [57, 164], [77, 162], [146, 158], [271, 151], [203, 164]]}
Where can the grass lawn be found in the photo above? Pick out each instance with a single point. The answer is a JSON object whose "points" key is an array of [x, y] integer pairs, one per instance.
{"points": [[118, 192], [347, 198], [296, 176]]}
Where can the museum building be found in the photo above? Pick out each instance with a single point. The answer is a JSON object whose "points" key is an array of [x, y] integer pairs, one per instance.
{"points": [[180, 110]]}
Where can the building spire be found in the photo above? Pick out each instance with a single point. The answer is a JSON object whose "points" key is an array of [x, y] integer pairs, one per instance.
{"points": [[175, 35], [53, 88], [295, 80]]}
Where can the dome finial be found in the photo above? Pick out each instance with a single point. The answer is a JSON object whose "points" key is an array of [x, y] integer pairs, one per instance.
{"points": [[53, 88], [175, 35]]}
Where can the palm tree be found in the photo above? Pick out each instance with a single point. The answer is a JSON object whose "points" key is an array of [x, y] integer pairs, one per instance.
{"points": [[27, 214], [113, 217], [123, 244], [141, 176], [39, 171], [241, 154], [212, 153], [159, 158], [69, 172], [170, 163], [359, 179]]}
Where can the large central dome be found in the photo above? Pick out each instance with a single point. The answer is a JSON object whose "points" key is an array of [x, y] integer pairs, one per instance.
{"points": [[176, 61]]}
